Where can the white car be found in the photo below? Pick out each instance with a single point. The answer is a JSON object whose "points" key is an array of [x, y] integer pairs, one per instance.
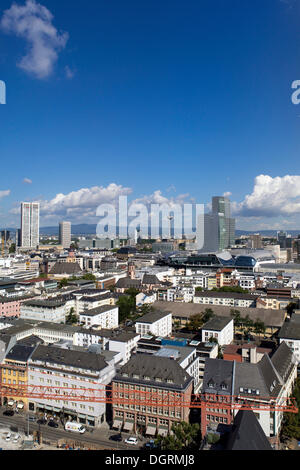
{"points": [[16, 438], [8, 437], [131, 440]]}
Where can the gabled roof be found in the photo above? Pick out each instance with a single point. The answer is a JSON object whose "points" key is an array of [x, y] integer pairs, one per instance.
{"points": [[283, 360], [127, 282], [247, 433], [217, 323], [65, 268], [171, 374], [20, 353], [217, 373], [150, 279]]}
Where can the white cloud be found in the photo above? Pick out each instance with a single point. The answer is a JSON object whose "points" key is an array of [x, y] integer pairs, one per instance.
{"points": [[271, 197], [27, 181], [158, 198], [227, 194], [82, 204], [4, 193], [33, 22]]}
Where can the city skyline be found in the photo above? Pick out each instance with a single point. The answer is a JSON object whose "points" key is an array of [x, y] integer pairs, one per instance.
{"points": [[191, 108]]}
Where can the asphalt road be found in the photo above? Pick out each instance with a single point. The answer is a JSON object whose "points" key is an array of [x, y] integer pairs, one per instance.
{"points": [[98, 437]]}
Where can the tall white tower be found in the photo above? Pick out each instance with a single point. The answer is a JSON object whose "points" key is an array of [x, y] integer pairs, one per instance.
{"points": [[65, 234], [30, 224]]}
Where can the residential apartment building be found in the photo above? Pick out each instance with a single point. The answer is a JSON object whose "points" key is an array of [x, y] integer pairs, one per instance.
{"points": [[124, 342], [106, 316], [15, 375], [220, 329], [158, 381], [290, 334], [156, 323], [270, 380], [180, 294], [232, 299], [70, 373], [44, 310]]}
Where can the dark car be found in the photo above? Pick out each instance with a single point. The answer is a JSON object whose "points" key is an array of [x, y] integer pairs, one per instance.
{"points": [[8, 413], [53, 424], [116, 437], [151, 445], [42, 421]]}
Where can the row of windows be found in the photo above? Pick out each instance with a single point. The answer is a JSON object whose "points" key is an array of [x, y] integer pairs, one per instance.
{"points": [[13, 372], [217, 419], [9, 382], [148, 409], [153, 391]]}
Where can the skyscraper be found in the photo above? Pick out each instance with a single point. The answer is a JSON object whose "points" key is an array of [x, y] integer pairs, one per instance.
{"points": [[65, 234], [30, 224], [219, 226]]}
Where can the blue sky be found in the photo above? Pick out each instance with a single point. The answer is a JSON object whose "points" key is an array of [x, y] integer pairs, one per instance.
{"points": [[152, 99]]}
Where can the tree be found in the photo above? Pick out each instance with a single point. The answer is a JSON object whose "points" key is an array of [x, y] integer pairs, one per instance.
{"points": [[12, 248], [237, 319], [127, 307], [146, 308], [199, 289], [62, 283], [71, 319], [291, 307], [207, 315], [89, 277], [291, 421], [259, 327], [196, 321], [185, 436]]}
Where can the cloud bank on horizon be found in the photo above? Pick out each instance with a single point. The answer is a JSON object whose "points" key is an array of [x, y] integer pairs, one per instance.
{"points": [[271, 197], [274, 201], [34, 23]]}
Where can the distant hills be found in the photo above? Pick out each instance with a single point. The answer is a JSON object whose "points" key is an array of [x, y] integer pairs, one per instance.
{"points": [[266, 233], [90, 229]]}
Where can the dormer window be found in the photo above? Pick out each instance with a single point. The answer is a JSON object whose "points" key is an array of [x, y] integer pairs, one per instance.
{"points": [[224, 386], [211, 383]]}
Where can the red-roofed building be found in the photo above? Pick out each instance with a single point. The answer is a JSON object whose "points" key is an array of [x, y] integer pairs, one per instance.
{"points": [[244, 353]]}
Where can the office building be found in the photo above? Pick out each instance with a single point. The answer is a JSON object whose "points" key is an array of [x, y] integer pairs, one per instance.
{"points": [[30, 224], [219, 226], [255, 241], [284, 240], [65, 234]]}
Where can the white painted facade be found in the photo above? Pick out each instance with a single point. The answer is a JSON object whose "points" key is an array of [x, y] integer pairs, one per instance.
{"points": [[224, 336]]}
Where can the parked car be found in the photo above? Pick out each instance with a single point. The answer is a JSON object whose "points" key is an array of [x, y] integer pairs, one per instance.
{"points": [[8, 413], [116, 437], [132, 441], [53, 424], [150, 444], [42, 421], [31, 418], [16, 438], [8, 437]]}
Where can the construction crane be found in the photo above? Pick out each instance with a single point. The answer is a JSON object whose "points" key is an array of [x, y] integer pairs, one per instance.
{"points": [[106, 394]]}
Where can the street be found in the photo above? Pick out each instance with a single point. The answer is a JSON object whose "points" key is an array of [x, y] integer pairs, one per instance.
{"points": [[99, 437]]}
